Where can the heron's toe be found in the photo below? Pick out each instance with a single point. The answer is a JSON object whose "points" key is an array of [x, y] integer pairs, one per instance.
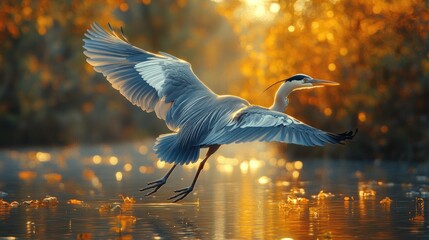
{"points": [[181, 194], [155, 185]]}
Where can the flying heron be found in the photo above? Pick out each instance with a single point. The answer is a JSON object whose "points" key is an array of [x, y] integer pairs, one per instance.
{"points": [[197, 117]]}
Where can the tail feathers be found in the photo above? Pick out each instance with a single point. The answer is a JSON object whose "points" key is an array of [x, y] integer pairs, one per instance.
{"points": [[169, 149]]}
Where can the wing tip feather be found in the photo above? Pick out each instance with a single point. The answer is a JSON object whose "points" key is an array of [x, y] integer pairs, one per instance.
{"points": [[344, 137]]}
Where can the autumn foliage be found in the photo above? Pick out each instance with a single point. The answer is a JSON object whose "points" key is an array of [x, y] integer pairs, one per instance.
{"points": [[377, 50]]}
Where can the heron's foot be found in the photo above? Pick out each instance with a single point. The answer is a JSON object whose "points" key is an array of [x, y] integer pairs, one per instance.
{"points": [[155, 185], [182, 193]]}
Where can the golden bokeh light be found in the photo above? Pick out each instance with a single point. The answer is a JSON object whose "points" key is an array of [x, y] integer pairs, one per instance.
{"points": [[327, 111], [264, 180], [118, 176], [96, 159], [128, 167], [274, 7], [362, 116], [227, 160], [315, 26], [244, 167], [298, 165], [160, 164], [289, 166], [254, 164], [113, 160], [295, 174], [43, 156]]}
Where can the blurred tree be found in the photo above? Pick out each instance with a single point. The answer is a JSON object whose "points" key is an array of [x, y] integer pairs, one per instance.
{"points": [[377, 50], [50, 95]]}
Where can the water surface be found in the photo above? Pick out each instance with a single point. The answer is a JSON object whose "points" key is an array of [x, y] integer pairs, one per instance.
{"points": [[246, 192]]}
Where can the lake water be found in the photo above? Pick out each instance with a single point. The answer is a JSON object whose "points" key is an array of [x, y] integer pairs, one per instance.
{"points": [[246, 192]]}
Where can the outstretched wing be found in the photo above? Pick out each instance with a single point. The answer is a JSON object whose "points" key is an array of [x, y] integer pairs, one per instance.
{"points": [[151, 81], [261, 124]]}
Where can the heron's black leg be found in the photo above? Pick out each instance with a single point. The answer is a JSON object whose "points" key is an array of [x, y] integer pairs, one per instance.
{"points": [[182, 193], [158, 183]]}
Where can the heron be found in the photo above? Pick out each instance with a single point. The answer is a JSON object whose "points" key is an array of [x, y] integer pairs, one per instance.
{"points": [[197, 117]]}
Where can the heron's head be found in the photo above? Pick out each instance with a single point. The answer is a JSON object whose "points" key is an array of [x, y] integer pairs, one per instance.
{"points": [[303, 81]]}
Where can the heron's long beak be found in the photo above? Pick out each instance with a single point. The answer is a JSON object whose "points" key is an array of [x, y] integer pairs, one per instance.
{"points": [[319, 82]]}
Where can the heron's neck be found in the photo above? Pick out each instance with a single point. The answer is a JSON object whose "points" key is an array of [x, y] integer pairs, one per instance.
{"points": [[280, 100]]}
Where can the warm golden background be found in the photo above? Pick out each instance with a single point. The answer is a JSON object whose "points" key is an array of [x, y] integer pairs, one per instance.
{"points": [[378, 50]]}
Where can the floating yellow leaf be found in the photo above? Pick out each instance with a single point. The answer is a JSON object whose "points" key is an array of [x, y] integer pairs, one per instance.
{"points": [[386, 201], [127, 199], [75, 202]]}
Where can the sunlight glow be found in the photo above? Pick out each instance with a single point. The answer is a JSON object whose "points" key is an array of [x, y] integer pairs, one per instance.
{"points": [[256, 10]]}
